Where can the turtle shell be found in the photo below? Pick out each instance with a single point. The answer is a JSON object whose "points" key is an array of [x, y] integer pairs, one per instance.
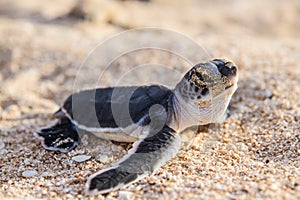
{"points": [[116, 107]]}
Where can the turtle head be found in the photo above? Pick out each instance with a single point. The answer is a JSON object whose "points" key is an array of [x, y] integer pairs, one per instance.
{"points": [[207, 89]]}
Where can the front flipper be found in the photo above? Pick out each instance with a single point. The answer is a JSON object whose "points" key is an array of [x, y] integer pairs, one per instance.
{"points": [[62, 136], [144, 158]]}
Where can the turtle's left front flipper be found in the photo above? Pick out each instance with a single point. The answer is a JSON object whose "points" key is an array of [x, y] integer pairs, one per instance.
{"points": [[62, 136], [144, 158]]}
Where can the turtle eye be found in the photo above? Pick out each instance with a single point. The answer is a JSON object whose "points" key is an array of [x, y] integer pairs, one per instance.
{"points": [[204, 91]]}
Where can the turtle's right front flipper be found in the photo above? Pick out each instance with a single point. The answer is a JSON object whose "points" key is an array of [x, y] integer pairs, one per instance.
{"points": [[144, 158], [62, 136]]}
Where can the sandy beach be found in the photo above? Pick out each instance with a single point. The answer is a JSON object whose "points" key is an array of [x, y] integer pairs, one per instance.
{"points": [[254, 154]]}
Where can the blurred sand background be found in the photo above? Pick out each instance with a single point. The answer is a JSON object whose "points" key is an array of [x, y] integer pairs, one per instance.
{"points": [[255, 154]]}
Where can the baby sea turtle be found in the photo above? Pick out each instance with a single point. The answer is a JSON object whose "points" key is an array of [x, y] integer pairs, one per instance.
{"points": [[151, 116]]}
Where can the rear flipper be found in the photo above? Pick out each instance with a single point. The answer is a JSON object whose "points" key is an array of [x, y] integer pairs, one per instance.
{"points": [[144, 158], [62, 136]]}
